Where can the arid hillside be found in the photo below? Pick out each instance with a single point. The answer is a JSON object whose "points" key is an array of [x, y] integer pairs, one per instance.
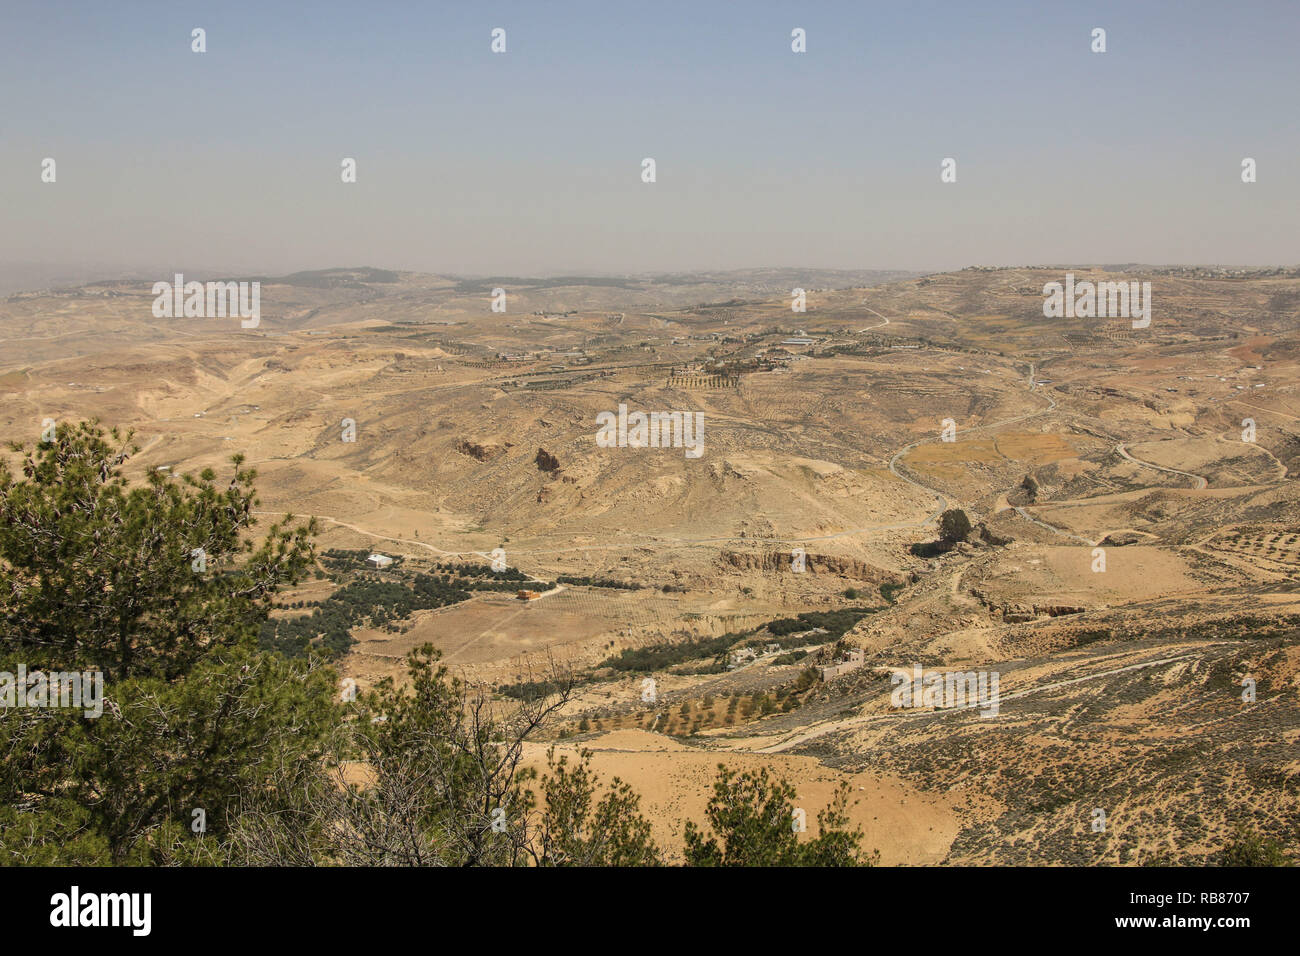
{"points": [[1132, 572]]}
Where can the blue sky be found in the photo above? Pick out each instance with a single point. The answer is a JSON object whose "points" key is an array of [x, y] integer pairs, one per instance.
{"points": [[529, 162]]}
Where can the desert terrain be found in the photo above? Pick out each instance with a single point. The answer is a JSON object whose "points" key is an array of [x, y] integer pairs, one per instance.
{"points": [[1132, 575]]}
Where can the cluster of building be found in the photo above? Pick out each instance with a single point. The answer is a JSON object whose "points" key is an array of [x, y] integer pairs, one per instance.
{"points": [[577, 357], [747, 655]]}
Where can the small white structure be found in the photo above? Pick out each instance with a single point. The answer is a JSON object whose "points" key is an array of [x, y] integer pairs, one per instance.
{"points": [[379, 561], [741, 657]]}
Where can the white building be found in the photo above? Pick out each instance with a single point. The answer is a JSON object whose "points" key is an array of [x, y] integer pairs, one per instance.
{"points": [[378, 561]]}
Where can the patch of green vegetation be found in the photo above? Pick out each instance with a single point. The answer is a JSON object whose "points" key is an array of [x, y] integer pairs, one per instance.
{"points": [[341, 559], [481, 577], [590, 582], [792, 658], [537, 689], [661, 656], [363, 601], [836, 623], [1248, 848]]}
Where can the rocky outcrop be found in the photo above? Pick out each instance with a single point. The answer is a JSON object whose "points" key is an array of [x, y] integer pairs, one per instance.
{"points": [[780, 561], [1121, 538], [1020, 613], [991, 537], [484, 452]]}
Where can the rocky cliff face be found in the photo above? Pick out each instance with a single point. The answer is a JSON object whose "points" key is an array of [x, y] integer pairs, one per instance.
{"points": [[779, 561], [1019, 613]]}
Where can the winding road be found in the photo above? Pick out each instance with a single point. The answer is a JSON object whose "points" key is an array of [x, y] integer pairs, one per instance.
{"points": [[1199, 482], [879, 325]]}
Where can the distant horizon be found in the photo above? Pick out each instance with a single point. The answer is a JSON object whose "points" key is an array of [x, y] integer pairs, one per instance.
{"points": [[139, 274], [531, 161]]}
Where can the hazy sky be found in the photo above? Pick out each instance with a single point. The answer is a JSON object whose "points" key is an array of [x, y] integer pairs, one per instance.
{"points": [[530, 162]]}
